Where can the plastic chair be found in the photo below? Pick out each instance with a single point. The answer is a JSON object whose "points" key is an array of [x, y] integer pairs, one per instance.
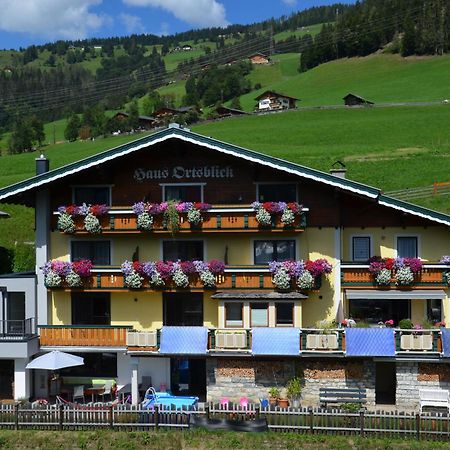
{"points": [[78, 392], [106, 390]]}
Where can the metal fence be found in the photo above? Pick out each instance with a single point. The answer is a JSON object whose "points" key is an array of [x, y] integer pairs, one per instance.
{"points": [[429, 426]]}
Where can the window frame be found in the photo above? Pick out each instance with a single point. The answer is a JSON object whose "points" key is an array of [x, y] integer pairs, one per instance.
{"points": [[250, 304], [92, 241], [103, 186], [283, 325], [186, 239], [225, 314], [274, 183], [352, 247], [415, 236], [164, 185], [253, 249]]}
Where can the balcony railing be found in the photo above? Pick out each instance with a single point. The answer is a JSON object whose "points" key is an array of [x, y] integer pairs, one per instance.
{"points": [[358, 275], [83, 335], [224, 218], [235, 277], [17, 329], [230, 340]]}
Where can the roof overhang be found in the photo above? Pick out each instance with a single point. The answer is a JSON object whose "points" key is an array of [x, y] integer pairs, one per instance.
{"points": [[391, 294]]}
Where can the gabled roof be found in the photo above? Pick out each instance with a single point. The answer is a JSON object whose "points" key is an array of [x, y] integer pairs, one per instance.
{"points": [[357, 97], [274, 94], [207, 142]]}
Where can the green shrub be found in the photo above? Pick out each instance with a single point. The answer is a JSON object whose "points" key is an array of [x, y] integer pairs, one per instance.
{"points": [[405, 324]]}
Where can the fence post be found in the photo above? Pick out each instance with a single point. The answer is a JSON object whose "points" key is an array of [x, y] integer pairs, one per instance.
{"points": [[257, 410], [61, 416], [156, 416], [111, 417], [16, 416], [361, 421], [207, 411], [418, 426], [311, 420]]}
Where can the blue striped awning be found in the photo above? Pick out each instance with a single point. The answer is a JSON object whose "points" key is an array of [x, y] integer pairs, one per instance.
{"points": [[184, 340], [370, 342], [445, 342], [276, 341]]}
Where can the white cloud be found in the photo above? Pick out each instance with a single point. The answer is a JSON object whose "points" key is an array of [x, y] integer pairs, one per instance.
{"points": [[289, 2], [133, 24], [65, 19], [165, 27], [202, 13]]}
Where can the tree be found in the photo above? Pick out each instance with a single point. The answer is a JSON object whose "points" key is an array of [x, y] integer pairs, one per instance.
{"points": [[133, 115], [236, 103], [152, 102], [51, 61], [72, 128], [37, 128], [409, 38], [21, 139], [94, 119]]}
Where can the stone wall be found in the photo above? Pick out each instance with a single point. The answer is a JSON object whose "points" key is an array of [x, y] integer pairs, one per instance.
{"points": [[412, 376]]}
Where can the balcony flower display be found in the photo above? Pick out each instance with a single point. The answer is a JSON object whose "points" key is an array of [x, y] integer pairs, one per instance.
{"points": [[66, 222], [171, 211], [445, 260], [403, 270], [160, 273], [446, 277], [304, 273], [265, 211], [73, 274]]}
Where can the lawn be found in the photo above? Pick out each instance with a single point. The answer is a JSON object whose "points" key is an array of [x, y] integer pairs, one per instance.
{"points": [[199, 440], [309, 29]]}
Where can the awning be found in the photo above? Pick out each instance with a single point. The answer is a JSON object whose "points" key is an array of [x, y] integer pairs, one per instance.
{"points": [[55, 360], [370, 342], [276, 341], [394, 294], [259, 295], [184, 340], [445, 342]]}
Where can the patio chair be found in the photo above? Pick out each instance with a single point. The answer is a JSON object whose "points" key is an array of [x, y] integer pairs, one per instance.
{"points": [[78, 392], [106, 390]]}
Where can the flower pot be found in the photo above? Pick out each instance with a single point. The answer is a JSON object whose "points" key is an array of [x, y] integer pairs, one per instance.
{"points": [[273, 401], [283, 402]]}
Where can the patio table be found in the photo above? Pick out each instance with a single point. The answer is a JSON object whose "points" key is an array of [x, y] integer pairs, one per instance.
{"points": [[93, 391]]}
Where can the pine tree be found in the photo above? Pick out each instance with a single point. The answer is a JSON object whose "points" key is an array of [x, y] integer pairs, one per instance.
{"points": [[409, 38], [37, 129], [72, 128]]}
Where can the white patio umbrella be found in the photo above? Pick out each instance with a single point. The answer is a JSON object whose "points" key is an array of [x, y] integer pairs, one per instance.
{"points": [[55, 360]]}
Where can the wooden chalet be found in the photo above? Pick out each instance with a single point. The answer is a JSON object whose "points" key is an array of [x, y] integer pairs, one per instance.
{"points": [[224, 111], [259, 58], [145, 122], [356, 100], [273, 101]]}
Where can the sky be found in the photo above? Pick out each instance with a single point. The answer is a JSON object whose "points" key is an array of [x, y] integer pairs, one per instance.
{"points": [[27, 22]]}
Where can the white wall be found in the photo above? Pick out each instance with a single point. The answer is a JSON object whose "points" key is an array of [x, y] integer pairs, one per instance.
{"points": [[157, 368], [21, 379]]}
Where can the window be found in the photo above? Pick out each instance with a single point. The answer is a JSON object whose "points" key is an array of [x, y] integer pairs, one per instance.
{"points": [[379, 310], [92, 195], [434, 310], [277, 192], [186, 193], [233, 315], [265, 251], [183, 250], [15, 312], [259, 314], [284, 314], [407, 247], [360, 248], [95, 364], [99, 252], [91, 308]]}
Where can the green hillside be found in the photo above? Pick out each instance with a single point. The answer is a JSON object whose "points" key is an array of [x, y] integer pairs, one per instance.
{"points": [[381, 78]]}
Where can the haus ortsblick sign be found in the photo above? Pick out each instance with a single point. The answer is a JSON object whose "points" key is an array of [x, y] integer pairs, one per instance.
{"points": [[183, 173]]}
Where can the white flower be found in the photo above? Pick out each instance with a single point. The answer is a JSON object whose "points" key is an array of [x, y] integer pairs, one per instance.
{"points": [[404, 276], [263, 217], [282, 279], [133, 281], [156, 280], [73, 279], [288, 217], [144, 221], [383, 277], [194, 216], [92, 224], [180, 279], [52, 279], [208, 278], [305, 281], [66, 223]]}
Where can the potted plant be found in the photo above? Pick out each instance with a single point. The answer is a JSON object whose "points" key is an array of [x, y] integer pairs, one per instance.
{"points": [[294, 390], [283, 402], [274, 393]]}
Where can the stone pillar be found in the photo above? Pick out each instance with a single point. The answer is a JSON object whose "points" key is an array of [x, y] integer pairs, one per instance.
{"points": [[21, 379], [134, 381]]}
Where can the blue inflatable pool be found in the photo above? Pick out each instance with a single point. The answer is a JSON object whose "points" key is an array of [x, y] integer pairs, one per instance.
{"points": [[166, 399]]}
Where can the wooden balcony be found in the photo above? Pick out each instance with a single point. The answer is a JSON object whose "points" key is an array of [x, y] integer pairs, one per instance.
{"points": [[83, 336], [358, 275], [239, 278], [227, 218]]}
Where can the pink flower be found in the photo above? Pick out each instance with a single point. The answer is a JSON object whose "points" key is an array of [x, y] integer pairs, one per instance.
{"points": [[216, 266]]}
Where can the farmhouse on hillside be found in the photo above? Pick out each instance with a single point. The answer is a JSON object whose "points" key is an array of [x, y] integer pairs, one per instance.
{"points": [[145, 122], [273, 101], [356, 100], [224, 111], [259, 58], [261, 270]]}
